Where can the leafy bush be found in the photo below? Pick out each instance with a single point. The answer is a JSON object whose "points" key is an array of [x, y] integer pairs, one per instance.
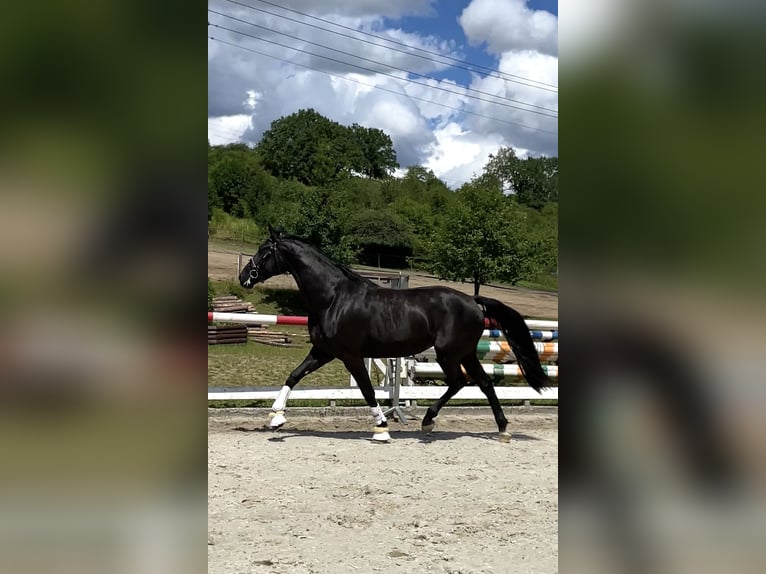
{"points": [[227, 227]]}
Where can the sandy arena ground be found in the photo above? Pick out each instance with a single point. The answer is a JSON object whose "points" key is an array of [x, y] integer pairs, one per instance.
{"points": [[320, 497]]}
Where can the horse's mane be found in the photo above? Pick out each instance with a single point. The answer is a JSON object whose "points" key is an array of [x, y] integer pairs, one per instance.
{"points": [[352, 275]]}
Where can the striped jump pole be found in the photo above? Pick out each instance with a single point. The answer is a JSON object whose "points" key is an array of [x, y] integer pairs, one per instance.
{"points": [[536, 335], [531, 323], [500, 351], [257, 318], [504, 371]]}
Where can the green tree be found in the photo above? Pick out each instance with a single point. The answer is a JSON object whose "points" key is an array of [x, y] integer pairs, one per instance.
{"points": [[481, 238], [237, 182], [381, 237], [315, 150], [323, 220], [419, 200], [308, 147], [284, 209], [533, 181], [542, 240], [374, 154], [357, 193], [213, 201]]}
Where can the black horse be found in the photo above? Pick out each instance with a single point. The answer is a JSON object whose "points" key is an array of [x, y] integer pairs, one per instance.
{"points": [[351, 318]]}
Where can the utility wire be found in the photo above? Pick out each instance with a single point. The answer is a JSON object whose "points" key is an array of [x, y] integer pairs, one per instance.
{"points": [[471, 67], [396, 68], [377, 72], [384, 89]]}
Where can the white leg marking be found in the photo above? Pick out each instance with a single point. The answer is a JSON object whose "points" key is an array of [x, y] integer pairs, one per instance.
{"points": [[380, 434], [278, 416], [281, 400], [377, 414]]}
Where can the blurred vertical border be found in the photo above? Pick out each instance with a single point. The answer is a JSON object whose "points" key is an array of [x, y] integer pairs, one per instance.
{"points": [[102, 266], [663, 251]]}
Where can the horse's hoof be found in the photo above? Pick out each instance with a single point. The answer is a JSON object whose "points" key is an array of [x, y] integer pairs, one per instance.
{"points": [[380, 434], [504, 437], [427, 428], [277, 420]]}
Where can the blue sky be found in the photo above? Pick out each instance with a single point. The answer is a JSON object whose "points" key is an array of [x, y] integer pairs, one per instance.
{"points": [[444, 24], [252, 81]]}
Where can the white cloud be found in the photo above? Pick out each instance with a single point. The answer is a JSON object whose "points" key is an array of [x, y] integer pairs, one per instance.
{"points": [[510, 25], [534, 66], [458, 155], [246, 91], [226, 129]]}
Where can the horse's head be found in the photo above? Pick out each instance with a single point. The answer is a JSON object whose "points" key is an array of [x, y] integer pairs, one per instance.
{"points": [[265, 263]]}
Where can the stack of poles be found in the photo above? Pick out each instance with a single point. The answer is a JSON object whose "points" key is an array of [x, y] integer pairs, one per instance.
{"points": [[226, 334]]}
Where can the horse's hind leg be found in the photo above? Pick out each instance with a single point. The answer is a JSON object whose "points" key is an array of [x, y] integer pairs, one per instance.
{"points": [[455, 381], [356, 367], [474, 369], [314, 360]]}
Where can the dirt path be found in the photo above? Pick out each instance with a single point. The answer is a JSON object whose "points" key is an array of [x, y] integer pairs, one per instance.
{"points": [[223, 265], [319, 497]]}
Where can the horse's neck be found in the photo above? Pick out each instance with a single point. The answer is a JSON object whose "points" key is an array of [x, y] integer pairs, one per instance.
{"points": [[317, 280]]}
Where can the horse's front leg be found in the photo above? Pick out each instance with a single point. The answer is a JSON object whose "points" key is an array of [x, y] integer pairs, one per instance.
{"points": [[313, 361], [359, 372]]}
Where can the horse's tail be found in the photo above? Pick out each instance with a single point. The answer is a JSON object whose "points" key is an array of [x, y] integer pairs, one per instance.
{"points": [[517, 333]]}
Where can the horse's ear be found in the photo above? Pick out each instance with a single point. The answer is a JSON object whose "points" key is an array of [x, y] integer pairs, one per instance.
{"points": [[277, 232]]}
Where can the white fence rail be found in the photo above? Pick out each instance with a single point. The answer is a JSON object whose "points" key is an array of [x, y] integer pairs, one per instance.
{"points": [[381, 393], [395, 386]]}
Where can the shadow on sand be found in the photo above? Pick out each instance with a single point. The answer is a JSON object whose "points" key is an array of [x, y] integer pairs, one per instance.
{"points": [[283, 434]]}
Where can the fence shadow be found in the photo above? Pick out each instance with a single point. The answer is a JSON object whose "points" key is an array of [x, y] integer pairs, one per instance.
{"points": [[284, 434]]}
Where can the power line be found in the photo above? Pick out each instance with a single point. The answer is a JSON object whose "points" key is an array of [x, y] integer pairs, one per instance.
{"points": [[374, 71], [384, 89], [391, 67], [472, 66], [491, 71]]}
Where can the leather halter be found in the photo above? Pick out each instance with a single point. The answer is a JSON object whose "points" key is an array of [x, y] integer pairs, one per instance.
{"points": [[255, 268]]}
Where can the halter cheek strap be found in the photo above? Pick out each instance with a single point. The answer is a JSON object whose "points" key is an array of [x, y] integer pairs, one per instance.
{"points": [[254, 271]]}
